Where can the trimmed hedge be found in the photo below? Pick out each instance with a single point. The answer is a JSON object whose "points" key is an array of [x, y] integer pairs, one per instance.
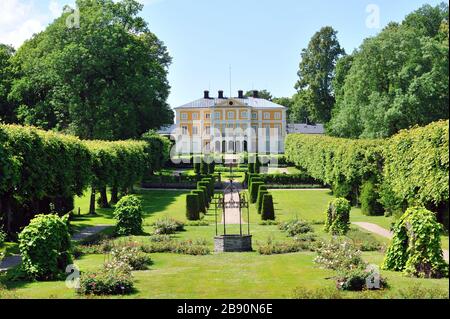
{"points": [[192, 207], [267, 210], [416, 169], [201, 199], [410, 168], [286, 179], [341, 163], [260, 197], [40, 172], [254, 191]]}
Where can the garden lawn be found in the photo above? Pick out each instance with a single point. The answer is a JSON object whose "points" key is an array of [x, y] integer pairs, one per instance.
{"points": [[231, 275]]}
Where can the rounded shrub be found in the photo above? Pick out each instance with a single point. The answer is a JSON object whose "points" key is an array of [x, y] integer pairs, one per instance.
{"points": [[416, 246], [45, 247], [192, 207], [267, 211], [369, 199], [338, 216], [128, 213]]}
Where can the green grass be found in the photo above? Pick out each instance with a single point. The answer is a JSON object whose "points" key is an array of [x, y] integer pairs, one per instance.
{"points": [[231, 275]]}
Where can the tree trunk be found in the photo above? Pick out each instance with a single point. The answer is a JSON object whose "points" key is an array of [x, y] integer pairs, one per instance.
{"points": [[103, 197], [114, 195], [92, 202]]}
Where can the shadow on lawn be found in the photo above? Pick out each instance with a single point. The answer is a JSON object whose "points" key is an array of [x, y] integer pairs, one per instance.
{"points": [[157, 201]]}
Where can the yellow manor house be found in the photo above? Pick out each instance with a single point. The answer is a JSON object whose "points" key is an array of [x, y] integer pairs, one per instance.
{"points": [[230, 125]]}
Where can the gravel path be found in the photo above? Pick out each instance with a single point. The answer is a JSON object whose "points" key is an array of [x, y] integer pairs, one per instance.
{"points": [[232, 214], [388, 234], [13, 261]]}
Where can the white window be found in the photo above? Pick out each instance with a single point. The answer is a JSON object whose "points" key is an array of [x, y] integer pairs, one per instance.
{"points": [[184, 130], [277, 116], [207, 116], [195, 130], [254, 115], [231, 115], [277, 128], [266, 115], [217, 115], [244, 114], [207, 130], [195, 116], [254, 129], [184, 116]]}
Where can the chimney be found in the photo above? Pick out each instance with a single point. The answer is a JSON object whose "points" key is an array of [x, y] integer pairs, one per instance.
{"points": [[220, 94], [255, 94], [240, 94], [206, 94]]}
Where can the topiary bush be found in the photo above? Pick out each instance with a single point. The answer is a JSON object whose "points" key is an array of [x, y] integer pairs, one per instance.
{"points": [[262, 190], [369, 199], [338, 216], [267, 210], [201, 199], [45, 247], [192, 207], [128, 213], [254, 190], [416, 246]]}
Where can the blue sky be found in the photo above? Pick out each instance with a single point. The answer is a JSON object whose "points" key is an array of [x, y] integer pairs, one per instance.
{"points": [[260, 39]]}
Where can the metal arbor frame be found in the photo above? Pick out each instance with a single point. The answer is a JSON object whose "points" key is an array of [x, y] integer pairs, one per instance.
{"points": [[220, 203]]}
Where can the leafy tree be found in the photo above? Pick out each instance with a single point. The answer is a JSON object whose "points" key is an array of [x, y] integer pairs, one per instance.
{"points": [[6, 78], [316, 73], [395, 80], [263, 94], [106, 79]]}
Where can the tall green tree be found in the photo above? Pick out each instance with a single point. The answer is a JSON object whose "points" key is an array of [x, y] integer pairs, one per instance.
{"points": [[6, 78], [263, 94], [316, 73], [103, 79], [396, 79]]}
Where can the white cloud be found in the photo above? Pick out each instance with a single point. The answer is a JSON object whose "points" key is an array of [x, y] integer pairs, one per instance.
{"points": [[55, 8], [20, 19]]}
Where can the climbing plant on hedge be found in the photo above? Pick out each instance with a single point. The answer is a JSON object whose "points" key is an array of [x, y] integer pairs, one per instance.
{"points": [[416, 246], [267, 210], [337, 220], [192, 207], [45, 247], [128, 213]]}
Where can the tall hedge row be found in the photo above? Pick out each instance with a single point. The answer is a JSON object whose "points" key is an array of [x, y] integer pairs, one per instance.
{"points": [[342, 163], [410, 168], [41, 171], [416, 169]]}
